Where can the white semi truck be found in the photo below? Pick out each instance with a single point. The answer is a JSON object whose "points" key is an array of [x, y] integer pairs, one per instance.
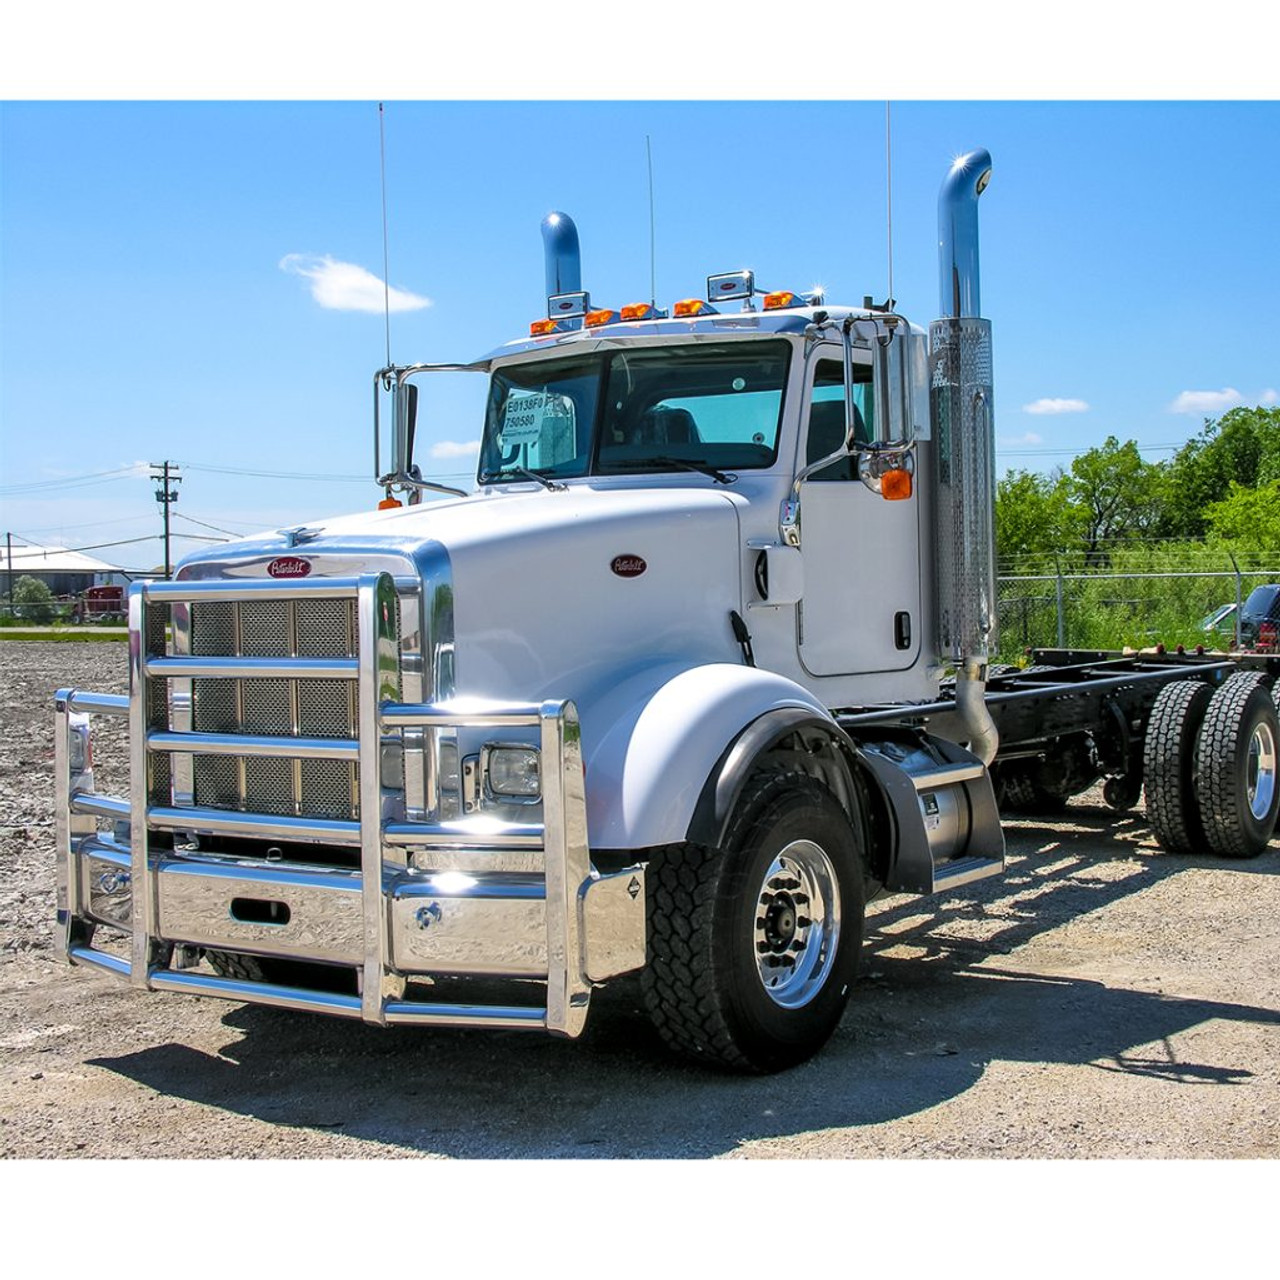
{"points": [[698, 670]]}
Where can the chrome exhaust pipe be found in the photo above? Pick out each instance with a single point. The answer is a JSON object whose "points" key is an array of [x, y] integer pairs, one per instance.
{"points": [[958, 234], [964, 440], [560, 249]]}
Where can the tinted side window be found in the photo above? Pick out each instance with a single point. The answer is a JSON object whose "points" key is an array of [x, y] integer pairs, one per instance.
{"points": [[827, 417]]}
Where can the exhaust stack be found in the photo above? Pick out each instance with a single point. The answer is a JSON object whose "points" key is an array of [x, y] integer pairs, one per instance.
{"points": [[563, 260], [960, 401]]}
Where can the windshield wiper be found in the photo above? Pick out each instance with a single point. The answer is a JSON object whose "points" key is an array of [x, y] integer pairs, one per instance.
{"points": [[505, 473], [662, 460]]}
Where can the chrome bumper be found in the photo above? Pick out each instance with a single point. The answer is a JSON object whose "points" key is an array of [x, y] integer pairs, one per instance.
{"points": [[520, 901]]}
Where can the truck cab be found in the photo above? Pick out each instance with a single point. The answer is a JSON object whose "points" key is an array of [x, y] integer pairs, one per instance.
{"points": [[590, 717]]}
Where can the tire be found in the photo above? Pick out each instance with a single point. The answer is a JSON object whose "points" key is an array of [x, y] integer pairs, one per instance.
{"points": [[1236, 768], [1168, 764], [753, 947]]}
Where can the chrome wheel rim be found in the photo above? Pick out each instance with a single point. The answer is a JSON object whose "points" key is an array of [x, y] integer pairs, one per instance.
{"points": [[1261, 771], [797, 924]]}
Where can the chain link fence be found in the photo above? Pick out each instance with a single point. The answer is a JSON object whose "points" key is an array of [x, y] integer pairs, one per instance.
{"points": [[1135, 596]]}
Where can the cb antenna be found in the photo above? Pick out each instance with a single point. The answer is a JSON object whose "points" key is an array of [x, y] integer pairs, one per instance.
{"points": [[653, 270], [888, 189], [386, 271]]}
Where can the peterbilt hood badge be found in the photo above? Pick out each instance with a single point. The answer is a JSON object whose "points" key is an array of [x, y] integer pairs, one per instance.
{"points": [[628, 566], [289, 567]]}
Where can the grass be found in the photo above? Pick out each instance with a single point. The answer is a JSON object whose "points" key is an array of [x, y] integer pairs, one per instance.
{"points": [[65, 635]]}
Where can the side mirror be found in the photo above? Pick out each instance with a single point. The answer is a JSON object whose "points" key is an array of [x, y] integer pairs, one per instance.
{"points": [[891, 369], [406, 419]]}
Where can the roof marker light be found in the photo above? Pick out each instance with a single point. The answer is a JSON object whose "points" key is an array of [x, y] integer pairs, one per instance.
{"points": [[539, 328], [782, 298], [688, 307], [642, 311], [603, 316]]}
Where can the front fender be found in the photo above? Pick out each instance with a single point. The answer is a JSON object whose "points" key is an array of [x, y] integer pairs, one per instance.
{"points": [[657, 739]]}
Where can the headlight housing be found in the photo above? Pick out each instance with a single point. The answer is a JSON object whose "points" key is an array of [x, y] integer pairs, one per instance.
{"points": [[512, 773]]}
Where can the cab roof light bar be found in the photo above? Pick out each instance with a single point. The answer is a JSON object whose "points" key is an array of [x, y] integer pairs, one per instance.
{"points": [[687, 308]]}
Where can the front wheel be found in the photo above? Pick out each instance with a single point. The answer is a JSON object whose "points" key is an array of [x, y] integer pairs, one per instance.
{"points": [[754, 947]]}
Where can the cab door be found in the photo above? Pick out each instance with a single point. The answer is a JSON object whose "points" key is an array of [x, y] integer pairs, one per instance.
{"points": [[862, 604]]}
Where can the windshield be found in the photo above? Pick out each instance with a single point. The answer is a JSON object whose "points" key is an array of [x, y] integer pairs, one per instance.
{"points": [[696, 406]]}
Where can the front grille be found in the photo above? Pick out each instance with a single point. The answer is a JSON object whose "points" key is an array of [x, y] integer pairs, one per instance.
{"points": [[276, 707]]}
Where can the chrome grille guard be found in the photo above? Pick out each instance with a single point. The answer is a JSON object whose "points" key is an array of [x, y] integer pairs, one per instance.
{"points": [[565, 923]]}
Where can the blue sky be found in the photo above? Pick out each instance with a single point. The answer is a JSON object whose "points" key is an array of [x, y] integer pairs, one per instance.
{"points": [[179, 277]]}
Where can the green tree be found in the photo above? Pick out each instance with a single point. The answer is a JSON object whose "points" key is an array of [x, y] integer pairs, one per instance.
{"points": [[33, 600], [1121, 494], [1241, 447], [1247, 518], [1035, 514]]}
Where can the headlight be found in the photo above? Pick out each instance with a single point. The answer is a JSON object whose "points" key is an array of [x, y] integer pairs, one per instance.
{"points": [[512, 773]]}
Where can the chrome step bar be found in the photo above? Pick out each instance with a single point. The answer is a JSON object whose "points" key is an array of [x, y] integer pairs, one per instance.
{"points": [[563, 883]]}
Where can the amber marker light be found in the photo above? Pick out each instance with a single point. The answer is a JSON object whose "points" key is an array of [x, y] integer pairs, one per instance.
{"points": [[603, 316], [895, 485], [388, 504], [693, 307], [782, 298], [540, 328], [640, 311]]}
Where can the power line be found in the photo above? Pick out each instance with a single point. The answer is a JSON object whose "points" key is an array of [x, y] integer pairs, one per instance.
{"points": [[69, 482], [203, 525]]}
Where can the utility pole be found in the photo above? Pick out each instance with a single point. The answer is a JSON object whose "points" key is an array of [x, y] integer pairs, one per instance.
{"points": [[8, 543], [167, 472]]}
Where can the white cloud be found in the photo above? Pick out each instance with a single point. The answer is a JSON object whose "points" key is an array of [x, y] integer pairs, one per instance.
{"points": [[455, 448], [344, 286], [1270, 396], [1027, 437], [1206, 401], [1050, 405]]}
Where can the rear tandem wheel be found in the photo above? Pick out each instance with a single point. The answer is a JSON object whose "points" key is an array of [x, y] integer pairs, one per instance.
{"points": [[1236, 759]]}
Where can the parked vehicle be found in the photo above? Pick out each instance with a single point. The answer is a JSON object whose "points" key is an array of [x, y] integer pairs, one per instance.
{"points": [[698, 670], [1221, 624], [99, 604], [1260, 618]]}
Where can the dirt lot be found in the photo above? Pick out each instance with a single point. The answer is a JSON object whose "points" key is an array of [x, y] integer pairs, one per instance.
{"points": [[1103, 1000]]}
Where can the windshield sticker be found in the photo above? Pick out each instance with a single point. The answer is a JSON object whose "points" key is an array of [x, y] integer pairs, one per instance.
{"points": [[524, 414]]}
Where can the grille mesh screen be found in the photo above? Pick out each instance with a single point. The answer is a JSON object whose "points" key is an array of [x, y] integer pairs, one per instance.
{"points": [[276, 707]]}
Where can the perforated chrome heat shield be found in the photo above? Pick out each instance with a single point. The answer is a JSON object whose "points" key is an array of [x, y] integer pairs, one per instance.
{"points": [[960, 394]]}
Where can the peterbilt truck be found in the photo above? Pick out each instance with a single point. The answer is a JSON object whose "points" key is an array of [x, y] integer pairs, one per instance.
{"points": [[700, 668]]}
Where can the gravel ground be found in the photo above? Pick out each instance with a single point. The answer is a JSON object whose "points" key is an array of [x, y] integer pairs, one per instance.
{"points": [[1103, 1000]]}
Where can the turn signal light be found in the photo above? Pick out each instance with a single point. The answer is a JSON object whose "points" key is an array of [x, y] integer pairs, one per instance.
{"points": [[603, 316], [693, 307], [895, 485], [782, 298]]}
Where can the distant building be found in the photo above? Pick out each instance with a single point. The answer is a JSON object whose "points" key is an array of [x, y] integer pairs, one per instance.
{"points": [[65, 573]]}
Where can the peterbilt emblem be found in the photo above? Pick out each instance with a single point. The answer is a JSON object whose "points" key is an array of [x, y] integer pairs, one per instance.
{"points": [[628, 566], [289, 567]]}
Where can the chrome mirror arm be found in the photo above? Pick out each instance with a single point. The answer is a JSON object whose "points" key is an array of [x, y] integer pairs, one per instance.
{"points": [[394, 378]]}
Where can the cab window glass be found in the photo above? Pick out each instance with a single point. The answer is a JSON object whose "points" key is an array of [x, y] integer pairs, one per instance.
{"points": [[827, 417], [698, 403], [540, 417]]}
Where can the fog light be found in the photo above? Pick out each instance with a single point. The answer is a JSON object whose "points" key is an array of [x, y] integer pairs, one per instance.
{"points": [[513, 772]]}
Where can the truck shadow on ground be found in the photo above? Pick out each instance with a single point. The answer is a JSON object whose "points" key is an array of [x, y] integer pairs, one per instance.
{"points": [[937, 1002]]}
